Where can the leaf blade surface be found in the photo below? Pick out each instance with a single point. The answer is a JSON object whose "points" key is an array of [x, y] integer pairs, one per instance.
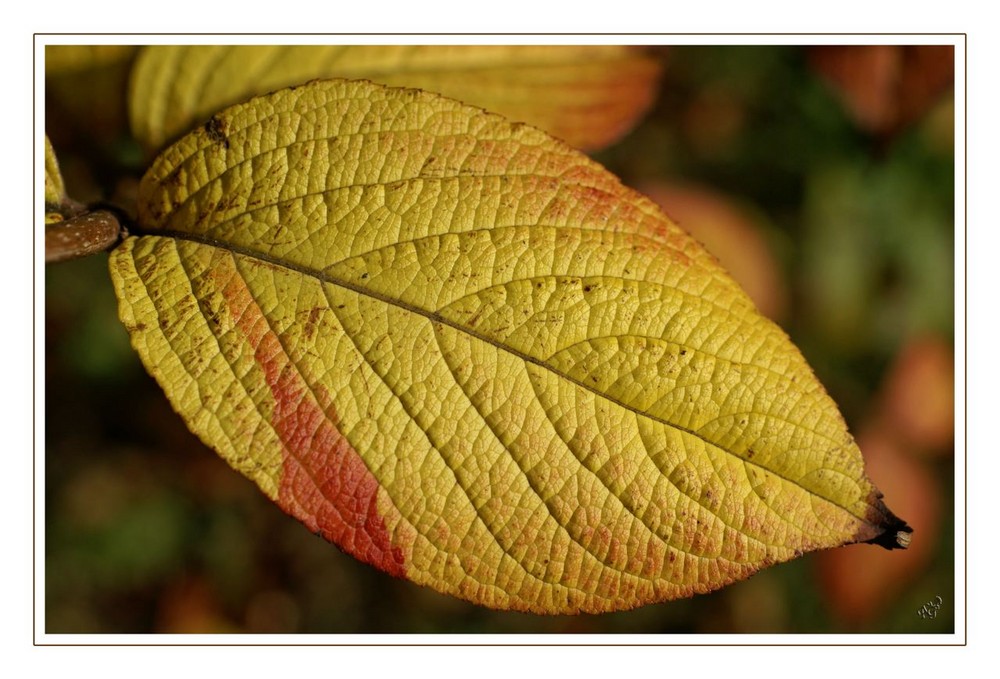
{"points": [[468, 355]]}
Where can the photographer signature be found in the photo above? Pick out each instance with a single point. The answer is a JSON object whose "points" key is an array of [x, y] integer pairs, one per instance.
{"points": [[930, 609]]}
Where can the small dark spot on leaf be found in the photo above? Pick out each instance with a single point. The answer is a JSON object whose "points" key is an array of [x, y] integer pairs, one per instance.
{"points": [[215, 128], [311, 322], [364, 275], [174, 178]]}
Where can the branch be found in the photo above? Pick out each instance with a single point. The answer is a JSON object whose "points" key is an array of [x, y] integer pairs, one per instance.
{"points": [[86, 234]]}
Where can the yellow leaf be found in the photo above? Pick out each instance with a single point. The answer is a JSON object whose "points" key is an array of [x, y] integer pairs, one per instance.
{"points": [[55, 190], [468, 355], [587, 95]]}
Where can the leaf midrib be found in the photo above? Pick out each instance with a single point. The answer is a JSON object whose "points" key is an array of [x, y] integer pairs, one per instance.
{"points": [[437, 318]]}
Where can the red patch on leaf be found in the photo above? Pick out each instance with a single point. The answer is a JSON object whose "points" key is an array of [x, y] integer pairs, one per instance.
{"points": [[326, 485]]}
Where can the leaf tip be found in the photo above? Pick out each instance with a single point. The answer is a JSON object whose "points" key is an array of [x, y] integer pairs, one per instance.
{"points": [[894, 534], [894, 539]]}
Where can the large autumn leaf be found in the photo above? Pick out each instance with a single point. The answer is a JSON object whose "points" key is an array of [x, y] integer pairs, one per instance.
{"points": [[588, 95], [468, 355]]}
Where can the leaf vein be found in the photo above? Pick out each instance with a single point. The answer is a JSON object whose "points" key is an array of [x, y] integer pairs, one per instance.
{"points": [[434, 316]]}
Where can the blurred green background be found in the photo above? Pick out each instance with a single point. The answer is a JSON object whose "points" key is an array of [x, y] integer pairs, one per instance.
{"points": [[823, 178]]}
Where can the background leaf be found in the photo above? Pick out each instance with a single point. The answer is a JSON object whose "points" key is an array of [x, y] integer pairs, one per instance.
{"points": [[468, 355], [886, 87], [589, 95], [55, 190]]}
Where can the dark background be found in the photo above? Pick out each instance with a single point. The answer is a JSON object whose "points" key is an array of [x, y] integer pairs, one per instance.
{"points": [[822, 177]]}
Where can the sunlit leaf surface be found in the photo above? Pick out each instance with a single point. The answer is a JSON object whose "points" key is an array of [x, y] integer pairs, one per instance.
{"points": [[468, 355]]}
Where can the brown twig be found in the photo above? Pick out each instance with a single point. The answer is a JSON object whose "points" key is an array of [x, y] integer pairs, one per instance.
{"points": [[85, 234]]}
